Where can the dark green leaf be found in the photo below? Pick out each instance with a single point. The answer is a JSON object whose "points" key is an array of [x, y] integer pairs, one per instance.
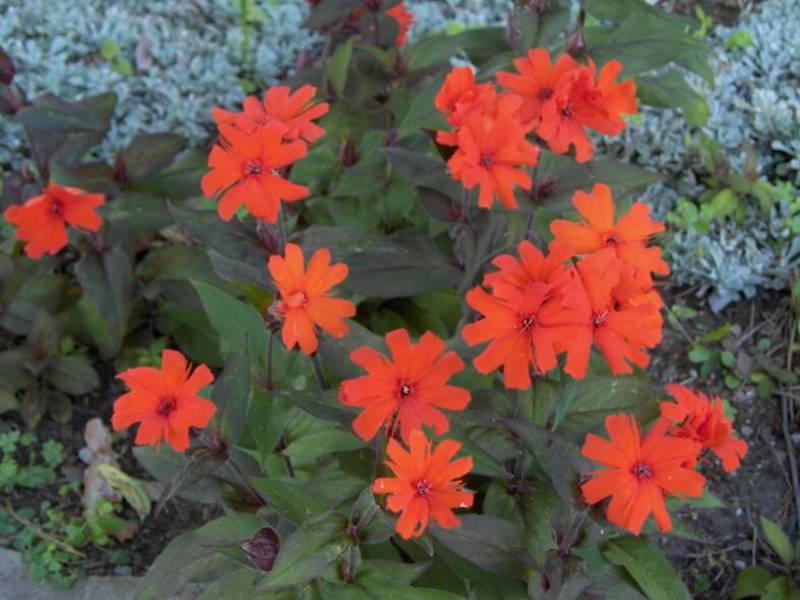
{"points": [[384, 268], [329, 11], [423, 114], [751, 583], [339, 65], [648, 567], [491, 543], [670, 90], [73, 375], [232, 393], [107, 279], [306, 554], [291, 498], [191, 556], [235, 321], [149, 153], [778, 541], [559, 177]]}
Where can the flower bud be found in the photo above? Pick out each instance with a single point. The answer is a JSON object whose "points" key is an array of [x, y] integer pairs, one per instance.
{"points": [[7, 68], [576, 44], [12, 99], [262, 549], [347, 153]]}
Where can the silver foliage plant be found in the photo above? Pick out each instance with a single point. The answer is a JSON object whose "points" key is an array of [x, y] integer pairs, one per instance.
{"points": [[186, 56], [755, 102]]}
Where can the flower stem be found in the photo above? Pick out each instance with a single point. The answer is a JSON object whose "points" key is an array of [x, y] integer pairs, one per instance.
{"points": [[282, 229], [246, 481], [319, 373]]}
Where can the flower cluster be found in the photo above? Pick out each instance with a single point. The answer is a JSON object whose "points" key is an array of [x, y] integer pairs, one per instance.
{"points": [[556, 103], [257, 147], [640, 473], [42, 220], [539, 307], [403, 394]]}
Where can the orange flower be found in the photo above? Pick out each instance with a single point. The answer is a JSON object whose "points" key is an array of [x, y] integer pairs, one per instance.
{"points": [[640, 473], [536, 81], [604, 100], [294, 110], [628, 236], [404, 20], [408, 390], [305, 297], [696, 417], [529, 317], [42, 220], [490, 152], [562, 121], [164, 401], [426, 486], [243, 171], [620, 332], [460, 95]]}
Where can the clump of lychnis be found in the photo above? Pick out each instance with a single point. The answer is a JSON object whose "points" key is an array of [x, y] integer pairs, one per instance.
{"points": [[593, 287]]}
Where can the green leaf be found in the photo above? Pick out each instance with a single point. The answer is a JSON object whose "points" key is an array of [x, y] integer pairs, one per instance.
{"points": [[559, 177], [306, 554], [751, 582], [491, 543], [670, 90], [648, 567], [643, 42], [232, 394], [73, 375], [107, 279], [778, 541], [700, 354], [148, 154], [328, 11], [384, 268], [557, 457], [191, 556], [234, 241], [305, 450], [269, 415], [339, 65], [588, 401], [479, 44], [8, 401], [236, 322], [291, 498], [423, 114]]}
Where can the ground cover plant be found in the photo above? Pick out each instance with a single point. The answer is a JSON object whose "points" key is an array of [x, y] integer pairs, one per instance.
{"points": [[393, 321]]}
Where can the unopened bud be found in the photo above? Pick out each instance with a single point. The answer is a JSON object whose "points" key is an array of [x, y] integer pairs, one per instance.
{"points": [[12, 99], [269, 236], [7, 68], [347, 153], [262, 549], [576, 44]]}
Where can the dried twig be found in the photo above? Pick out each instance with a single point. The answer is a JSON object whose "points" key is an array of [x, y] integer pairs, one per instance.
{"points": [[41, 533], [787, 437]]}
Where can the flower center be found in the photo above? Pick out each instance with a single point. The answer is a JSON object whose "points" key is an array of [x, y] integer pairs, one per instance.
{"points": [[599, 318], [612, 239], [57, 207], [404, 390], [423, 487], [568, 109], [253, 167], [545, 93], [296, 300], [527, 322], [167, 405], [485, 161], [641, 471]]}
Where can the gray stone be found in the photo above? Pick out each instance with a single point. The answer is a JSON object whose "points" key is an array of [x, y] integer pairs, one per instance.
{"points": [[16, 585]]}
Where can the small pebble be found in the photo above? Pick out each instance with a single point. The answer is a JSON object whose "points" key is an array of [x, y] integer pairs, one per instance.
{"points": [[746, 431], [740, 564]]}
